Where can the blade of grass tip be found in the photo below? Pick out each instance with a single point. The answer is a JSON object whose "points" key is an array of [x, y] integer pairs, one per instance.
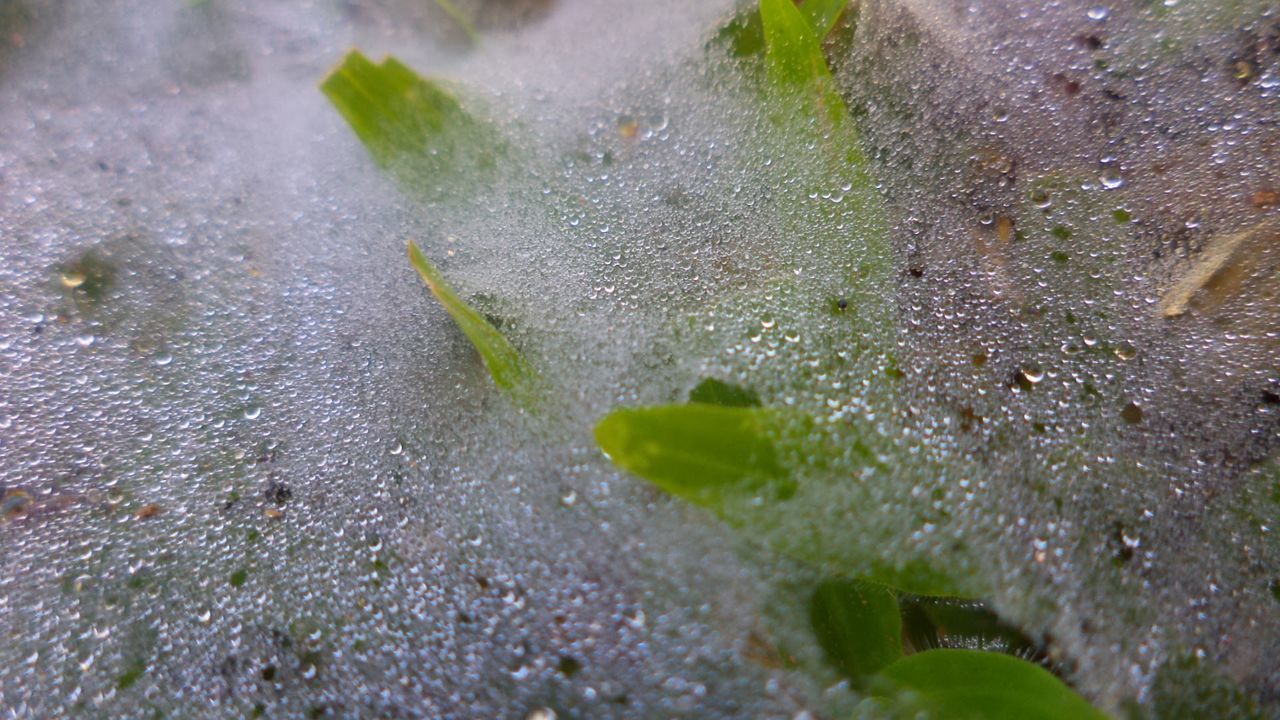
{"points": [[461, 18], [392, 110], [793, 55], [823, 14], [413, 126], [791, 46], [510, 372]]}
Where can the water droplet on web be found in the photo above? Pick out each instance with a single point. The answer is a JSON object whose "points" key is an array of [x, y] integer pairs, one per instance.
{"points": [[636, 620], [1111, 178], [1033, 373]]}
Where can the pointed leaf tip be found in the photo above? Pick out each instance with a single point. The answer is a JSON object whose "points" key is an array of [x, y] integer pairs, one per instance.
{"points": [[795, 62], [510, 371], [412, 126]]}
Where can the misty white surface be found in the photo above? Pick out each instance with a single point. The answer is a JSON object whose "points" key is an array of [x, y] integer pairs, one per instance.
{"points": [[437, 554]]}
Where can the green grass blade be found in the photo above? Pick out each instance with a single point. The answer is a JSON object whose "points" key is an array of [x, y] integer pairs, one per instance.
{"points": [[391, 109], [743, 35], [412, 126], [792, 49], [697, 452], [509, 370], [741, 463], [976, 685], [822, 14], [858, 626], [793, 55]]}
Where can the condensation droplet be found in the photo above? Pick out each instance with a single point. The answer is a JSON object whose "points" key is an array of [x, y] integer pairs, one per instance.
{"points": [[1033, 373]]}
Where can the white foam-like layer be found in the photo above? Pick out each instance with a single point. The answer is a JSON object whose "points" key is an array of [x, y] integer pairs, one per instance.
{"points": [[338, 512]]}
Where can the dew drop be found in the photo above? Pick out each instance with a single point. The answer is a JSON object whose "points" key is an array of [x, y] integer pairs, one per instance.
{"points": [[1033, 373], [1111, 178]]}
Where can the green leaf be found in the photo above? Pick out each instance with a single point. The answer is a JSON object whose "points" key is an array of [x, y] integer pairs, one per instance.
{"points": [[717, 392], [744, 34], [822, 14], [697, 452], [808, 489], [977, 685], [412, 126], [742, 463], [792, 49], [797, 67], [510, 371], [858, 626]]}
